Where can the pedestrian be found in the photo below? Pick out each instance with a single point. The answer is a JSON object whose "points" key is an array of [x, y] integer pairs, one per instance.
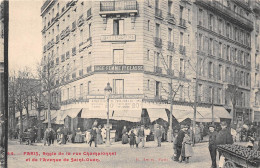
{"points": [[158, 135], [179, 140], [197, 134], [186, 150], [65, 134], [174, 140], [124, 136], [99, 136], [224, 137], [103, 134], [132, 139], [73, 136], [163, 133], [141, 135], [212, 145], [93, 136], [201, 131], [136, 130]]}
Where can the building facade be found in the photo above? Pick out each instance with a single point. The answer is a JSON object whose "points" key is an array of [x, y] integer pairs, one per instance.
{"points": [[145, 47]]}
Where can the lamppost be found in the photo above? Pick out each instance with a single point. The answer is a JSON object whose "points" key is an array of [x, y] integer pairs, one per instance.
{"points": [[108, 91]]}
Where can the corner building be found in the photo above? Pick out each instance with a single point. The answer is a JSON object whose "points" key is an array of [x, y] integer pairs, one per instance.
{"points": [[136, 46]]}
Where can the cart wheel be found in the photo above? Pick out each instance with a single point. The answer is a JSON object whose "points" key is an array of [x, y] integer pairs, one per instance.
{"points": [[229, 164]]}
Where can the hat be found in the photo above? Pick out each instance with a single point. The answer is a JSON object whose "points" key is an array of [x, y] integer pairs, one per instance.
{"points": [[213, 126], [223, 123]]}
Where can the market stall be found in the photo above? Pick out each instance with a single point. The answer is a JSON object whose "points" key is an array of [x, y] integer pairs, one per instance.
{"points": [[239, 156]]}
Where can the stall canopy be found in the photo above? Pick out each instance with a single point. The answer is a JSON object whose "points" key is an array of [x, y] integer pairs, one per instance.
{"points": [[182, 112], [94, 114], [69, 112], [156, 113], [127, 115]]}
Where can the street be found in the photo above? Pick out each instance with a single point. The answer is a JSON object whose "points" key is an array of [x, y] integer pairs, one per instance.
{"points": [[120, 156]]}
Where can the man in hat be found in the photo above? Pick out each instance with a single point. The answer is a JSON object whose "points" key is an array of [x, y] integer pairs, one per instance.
{"points": [[224, 136], [141, 135], [212, 145], [179, 141]]}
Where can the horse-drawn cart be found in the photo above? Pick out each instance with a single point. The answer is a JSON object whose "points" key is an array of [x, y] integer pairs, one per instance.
{"points": [[27, 137], [239, 159]]}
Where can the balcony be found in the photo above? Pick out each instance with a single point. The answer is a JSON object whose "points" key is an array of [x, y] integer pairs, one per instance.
{"points": [[116, 7], [57, 16], [182, 23], [182, 50], [182, 74], [67, 31], [67, 55], [170, 46], [226, 12], [89, 14], [57, 38], [170, 18], [157, 69], [157, 42], [158, 13], [85, 44], [62, 34], [170, 72], [68, 4], [73, 27], [73, 75], [73, 51], [73, 2], [80, 21]]}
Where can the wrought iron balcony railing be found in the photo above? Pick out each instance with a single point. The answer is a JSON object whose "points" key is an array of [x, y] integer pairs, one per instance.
{"points": [[158, 42], [182, 23], [81, 21], [118, 5], [182, 50]]}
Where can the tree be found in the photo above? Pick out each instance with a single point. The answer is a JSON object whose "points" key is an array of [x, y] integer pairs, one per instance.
{"points": [[52, 79]]}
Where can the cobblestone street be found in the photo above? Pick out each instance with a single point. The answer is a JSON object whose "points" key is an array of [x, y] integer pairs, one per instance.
{"points": [[150, 156]]}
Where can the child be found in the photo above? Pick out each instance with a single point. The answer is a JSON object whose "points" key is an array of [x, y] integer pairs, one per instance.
{"points": [[186, 151], [132, 139]]}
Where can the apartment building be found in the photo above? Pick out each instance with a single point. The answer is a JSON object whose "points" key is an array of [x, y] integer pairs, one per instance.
{"points": [[255, 71]]}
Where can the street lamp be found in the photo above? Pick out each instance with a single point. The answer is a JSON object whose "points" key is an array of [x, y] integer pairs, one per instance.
{"points": [[108, 91]]}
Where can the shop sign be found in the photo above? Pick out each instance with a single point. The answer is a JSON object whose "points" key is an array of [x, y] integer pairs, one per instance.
{"points": [[118, 68], [125, 104], [118, 38]]}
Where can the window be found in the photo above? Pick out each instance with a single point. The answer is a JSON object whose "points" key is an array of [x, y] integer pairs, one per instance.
{"points": [[189, 15], [200, 63], [220, 49], [211, 22], [81, 35], [219, 95], [157, 89], [148, 55], [89, 87], [170, 62], [158, 34], [210, 70], [200, 41], [81, 62], [228, 53], [89, 30], [148, 84], [220, 72], [181, 39], [169, 6], [200, 17], [220, 26], [118, 86], [182, 66], [169, 34], [68, 93], [118, 27], [74, 92], [210, 94], [118, 56], [211, 46], [200, 92], [81, 90], [181, 93], [148, 25], [181, 12]]}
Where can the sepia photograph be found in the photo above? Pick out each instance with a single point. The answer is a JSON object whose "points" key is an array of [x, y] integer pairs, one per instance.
{"points": [[130, 83]]}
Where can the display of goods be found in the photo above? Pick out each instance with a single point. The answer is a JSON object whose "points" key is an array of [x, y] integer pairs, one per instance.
{"points": [[243, 151]]}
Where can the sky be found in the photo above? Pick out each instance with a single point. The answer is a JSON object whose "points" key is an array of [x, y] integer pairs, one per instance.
{"points": [[25, 38]]}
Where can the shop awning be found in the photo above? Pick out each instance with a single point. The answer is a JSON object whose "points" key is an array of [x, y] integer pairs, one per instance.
{"points": [[183, 112], [219, 112], [156, 113], [256, 116], [127, 115], [72, 112], [86, 113]]}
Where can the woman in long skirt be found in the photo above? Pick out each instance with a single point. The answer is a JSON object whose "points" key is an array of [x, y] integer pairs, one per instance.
{"points": [[99, 136], [124, 136], [186, 151]]}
